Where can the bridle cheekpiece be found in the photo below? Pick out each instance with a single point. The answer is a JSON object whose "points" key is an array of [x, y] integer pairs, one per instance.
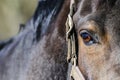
{"points": [[75, 72]]}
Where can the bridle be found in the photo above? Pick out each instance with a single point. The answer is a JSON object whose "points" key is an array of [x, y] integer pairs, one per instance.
{"points": [[75, 73]]}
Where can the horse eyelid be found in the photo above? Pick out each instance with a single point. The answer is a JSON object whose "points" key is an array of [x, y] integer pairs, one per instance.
{"points": [[92, 34]]}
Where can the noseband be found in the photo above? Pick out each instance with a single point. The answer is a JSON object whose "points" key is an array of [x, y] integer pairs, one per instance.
{"points": [[75, 73]]}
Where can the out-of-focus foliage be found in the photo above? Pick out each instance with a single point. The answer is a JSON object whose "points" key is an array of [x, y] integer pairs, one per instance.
{"points": [[13, 13]]}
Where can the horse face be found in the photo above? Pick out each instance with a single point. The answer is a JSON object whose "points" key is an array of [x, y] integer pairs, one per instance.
{"points": [[98, 31]]}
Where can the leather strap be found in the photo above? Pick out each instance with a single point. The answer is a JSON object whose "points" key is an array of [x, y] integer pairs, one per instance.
{"points": [[75, 73]]}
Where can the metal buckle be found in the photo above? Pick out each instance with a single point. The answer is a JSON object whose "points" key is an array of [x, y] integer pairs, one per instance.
{"points": [[76, 74]]}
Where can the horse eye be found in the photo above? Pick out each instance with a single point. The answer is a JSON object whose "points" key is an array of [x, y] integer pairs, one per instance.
{"points": [[88, 38]]}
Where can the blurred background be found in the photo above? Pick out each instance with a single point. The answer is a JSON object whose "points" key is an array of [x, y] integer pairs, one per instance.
{"points": [[12, 14]]}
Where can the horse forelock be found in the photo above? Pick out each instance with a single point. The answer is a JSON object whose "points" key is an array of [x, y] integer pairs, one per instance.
{"points": [[93, 5]]}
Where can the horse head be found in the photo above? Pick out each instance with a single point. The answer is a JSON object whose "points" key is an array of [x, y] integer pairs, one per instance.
{"points": [[98, 33]]}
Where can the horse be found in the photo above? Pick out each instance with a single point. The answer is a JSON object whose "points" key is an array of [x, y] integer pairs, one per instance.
{"points": [[39, 51], [98, 33]]}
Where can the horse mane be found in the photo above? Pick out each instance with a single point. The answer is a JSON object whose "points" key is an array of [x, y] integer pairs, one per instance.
{"points": [[45, 13], [28, 54], [4, 43]]}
